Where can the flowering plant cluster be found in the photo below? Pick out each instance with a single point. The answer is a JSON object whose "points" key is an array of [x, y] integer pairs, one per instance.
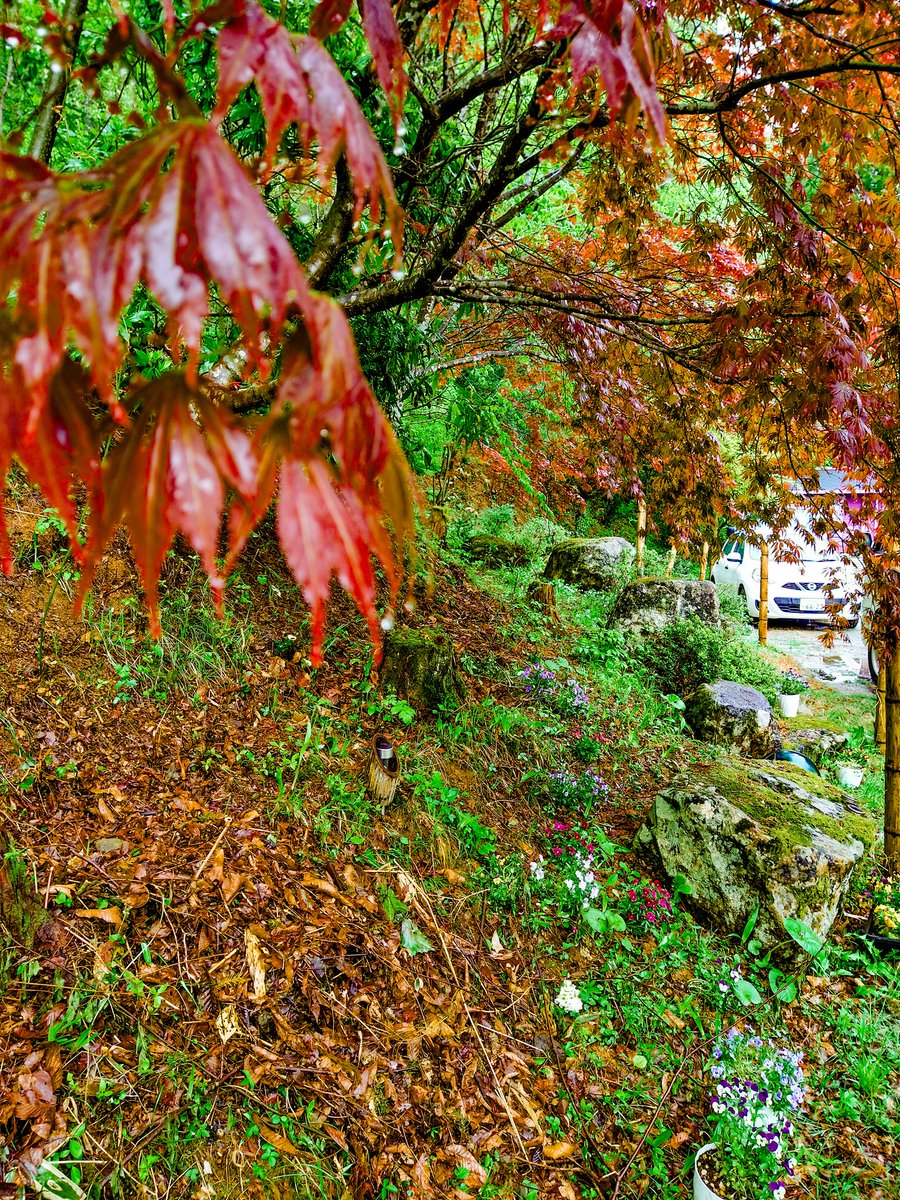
{"points": [[569, 878], [793, 683], [649, 905], [566, 695], [578, 791], [568, 998], [885, 893], [759, 1089], [587, 746]]}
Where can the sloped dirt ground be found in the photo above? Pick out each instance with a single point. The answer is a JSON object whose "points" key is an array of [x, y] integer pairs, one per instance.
{"points": [[202, 941], [217, 968]]}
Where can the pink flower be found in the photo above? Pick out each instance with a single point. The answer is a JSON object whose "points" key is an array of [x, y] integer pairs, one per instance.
{"points": [[651, 917], [632, 895], [557, 850]]}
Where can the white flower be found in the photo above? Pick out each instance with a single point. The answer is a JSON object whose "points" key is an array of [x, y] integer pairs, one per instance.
{"points": [[568, 997]]}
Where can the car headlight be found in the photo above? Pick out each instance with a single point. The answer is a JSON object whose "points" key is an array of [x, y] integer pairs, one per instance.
{"points": [[755, 574]]}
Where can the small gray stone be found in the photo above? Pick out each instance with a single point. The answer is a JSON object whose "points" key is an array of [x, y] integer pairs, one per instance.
{"points": [[648, 605], [749, 837], [817, 744], [598, 564], [733, 715]]}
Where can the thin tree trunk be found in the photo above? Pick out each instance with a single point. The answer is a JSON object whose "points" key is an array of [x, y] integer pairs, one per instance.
{"points": [[641, 535], [764, 594], [46, 125], [704, 560], [670, 564], [892, 765]]}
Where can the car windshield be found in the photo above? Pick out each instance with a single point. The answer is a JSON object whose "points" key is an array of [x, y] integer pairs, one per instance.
{"points": [[819, 551]]}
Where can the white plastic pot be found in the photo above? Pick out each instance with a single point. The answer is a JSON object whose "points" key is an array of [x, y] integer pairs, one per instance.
{"points": [[850, 777], [701, 1190], [790, 705]]}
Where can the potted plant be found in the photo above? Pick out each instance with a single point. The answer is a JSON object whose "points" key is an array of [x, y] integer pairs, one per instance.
{"points": [[883, 931], [758, 1090], [793, 685], [849, 773]]}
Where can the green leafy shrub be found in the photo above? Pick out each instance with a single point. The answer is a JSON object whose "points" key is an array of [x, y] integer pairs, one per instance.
{"points": [[684, 655], [731, 606], [535, 537], [607, 649]]}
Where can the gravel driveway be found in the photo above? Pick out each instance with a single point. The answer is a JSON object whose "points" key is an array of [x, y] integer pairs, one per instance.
{"points": [[838, 665]]}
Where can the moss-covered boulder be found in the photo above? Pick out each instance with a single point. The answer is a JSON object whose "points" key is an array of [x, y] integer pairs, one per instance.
{"points": [[598, 564], [497, 551], [749, 836], [420, 667], [733, 715], [647, 605]]}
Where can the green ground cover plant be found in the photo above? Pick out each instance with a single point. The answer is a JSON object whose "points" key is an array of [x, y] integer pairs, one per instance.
{"points": [[502, 870]]}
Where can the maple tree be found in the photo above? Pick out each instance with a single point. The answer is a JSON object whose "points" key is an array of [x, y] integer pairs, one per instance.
{"points": [[509, 183], [174, 213]]}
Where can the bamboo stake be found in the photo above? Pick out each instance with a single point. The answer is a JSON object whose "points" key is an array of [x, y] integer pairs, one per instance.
{"points": [[641, 536], [880, 714], [892, 766], [670, 565], [704, 560], [764, 594], [384, 771]]}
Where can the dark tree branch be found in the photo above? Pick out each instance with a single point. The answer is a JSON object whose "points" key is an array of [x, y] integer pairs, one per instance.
{"points": [[730, 101], [332, 238], [506, 168], [50, 111]]}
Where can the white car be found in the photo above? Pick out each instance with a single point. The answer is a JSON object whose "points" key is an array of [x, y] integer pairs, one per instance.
{"points": [[797, 590]]}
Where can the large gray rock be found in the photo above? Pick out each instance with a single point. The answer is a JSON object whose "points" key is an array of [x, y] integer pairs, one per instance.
{"points": [[733, 715], [594, 563], [748, 836], [647, 605]]}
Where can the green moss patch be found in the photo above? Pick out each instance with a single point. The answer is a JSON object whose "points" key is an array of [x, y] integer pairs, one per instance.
{"points": [[784, 816]]}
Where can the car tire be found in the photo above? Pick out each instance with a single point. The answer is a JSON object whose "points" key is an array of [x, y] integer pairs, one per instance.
{"points": [[745, 600], [873, 664]]}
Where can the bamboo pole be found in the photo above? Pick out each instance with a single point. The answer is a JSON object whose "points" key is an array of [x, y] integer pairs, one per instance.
{"points": [[704, 560], [764, 594], [880, 714], [641, 535], [892, 766], [670, 565]]}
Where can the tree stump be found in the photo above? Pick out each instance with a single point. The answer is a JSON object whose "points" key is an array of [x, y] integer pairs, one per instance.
{"points": [[543, 596], [436, 520], [21, 912], [420, 667]]}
